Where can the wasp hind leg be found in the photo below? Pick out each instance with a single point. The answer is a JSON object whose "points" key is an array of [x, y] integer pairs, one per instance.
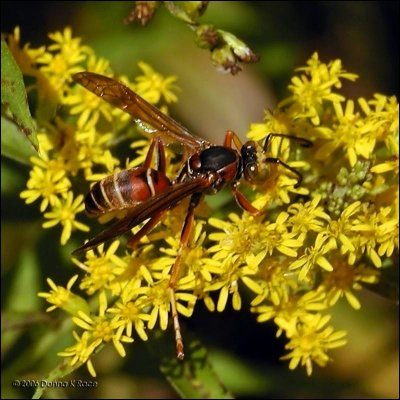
{"points": [[175, 272], [156, 144]]}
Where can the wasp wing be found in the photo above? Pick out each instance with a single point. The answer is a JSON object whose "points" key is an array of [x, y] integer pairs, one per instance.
{"points": [[163, 201], [124, 98]]}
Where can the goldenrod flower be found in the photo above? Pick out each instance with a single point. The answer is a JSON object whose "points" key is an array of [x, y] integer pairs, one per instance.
{"points": [[377, 233], [158, 298], [63, 212], [308, 216], [315, 86], [339, 232], [289, 311], [82, 350], [101, 268], [131, 314], [314, 256], [87, 105], [62, 59], [102, 327], [311, 341], [152, 85], [346, 278], [48, 180], [63, 298]]}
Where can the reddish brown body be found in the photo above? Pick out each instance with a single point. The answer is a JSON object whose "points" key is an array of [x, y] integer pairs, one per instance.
{"points": [[124, 189]]}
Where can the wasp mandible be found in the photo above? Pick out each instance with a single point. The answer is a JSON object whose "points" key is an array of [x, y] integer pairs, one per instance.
{"points": [[147, 193]]}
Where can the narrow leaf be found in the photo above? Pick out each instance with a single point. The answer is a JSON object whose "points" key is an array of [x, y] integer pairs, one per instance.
{"points": [[13, 95], [14, 144]]}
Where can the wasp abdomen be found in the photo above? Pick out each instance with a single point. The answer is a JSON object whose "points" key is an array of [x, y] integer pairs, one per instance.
{"points": [[124, 189]]}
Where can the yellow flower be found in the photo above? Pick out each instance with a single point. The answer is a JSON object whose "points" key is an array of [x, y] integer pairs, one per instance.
{"points": [[87, 105], [385, 114], [102, 328], [314, 256], [152, 85], [131, 314], [101, 268], [48, 180], [64, 298], [311, 342], [80, 352], [232, 272], [274, 284], [377, 228], [64, 212], [290, 311], [158, 298], [344, 279], [68, 46], [339, 232], [353, 134], [314, 87], [238, 236], [62, 59], [307, 217]]}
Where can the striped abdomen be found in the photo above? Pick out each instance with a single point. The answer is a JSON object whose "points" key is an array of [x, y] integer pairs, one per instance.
{"points": [[124, 189]]}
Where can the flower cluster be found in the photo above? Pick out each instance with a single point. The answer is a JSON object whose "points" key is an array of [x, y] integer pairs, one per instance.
{"points": [[71, 145], [312, 245]]}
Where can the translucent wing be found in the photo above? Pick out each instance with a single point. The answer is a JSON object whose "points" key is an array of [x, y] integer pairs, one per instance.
{"points": [[163, 201], [124, 98]]}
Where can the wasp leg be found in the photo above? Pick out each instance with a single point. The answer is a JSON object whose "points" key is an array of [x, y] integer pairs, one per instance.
{"points": [[160, 155], [303, 142], [185, 234], [160, 164], [147, 227], [230, 137], [280, 162], [244, 203]]}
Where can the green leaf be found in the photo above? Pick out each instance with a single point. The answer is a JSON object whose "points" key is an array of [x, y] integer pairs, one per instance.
{"points": [[254, 381], [192, 378], [13, 95], [14, 144], [25, 286]]}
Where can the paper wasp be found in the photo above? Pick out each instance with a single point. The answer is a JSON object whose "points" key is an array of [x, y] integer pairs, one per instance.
{"points": [[147, 193]]}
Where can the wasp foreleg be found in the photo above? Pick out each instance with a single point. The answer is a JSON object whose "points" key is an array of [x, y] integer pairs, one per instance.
{"points": [[230, 137], [244, 203]]}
